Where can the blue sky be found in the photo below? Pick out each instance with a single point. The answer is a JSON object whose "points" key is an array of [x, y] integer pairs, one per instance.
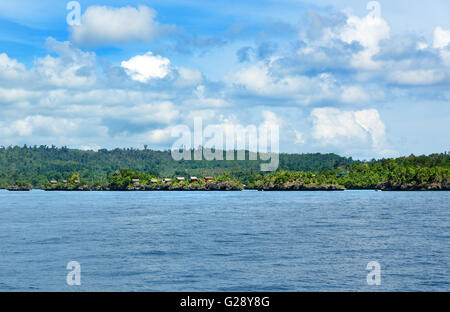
{"points": [[351, 77]]}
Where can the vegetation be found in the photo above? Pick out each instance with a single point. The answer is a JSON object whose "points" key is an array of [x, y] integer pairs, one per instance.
{"points": [[70, 168], [38, 165], [412, 170]]}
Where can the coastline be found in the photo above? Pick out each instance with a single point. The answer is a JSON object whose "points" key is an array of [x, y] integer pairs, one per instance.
{"points": [[227, 187]]}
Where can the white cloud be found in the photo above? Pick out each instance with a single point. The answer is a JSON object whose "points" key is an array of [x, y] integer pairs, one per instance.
{"points": [[270, 119], [367, 31], [299, 137], [73, 67], [17, 95], [421, 46], [39, 125], [354, 129], [416, 77], [258, 79], [188, 77], [354, 94], [102, 25], [11, 69], [91, 147], [145, 113], [142, 68], [202, 99], [442, 41], [441, 38]]}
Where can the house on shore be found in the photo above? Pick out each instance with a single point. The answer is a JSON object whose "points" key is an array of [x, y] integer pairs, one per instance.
{"points": [[136, 182], [208, 179], [194, 180], [167, 180], [154, 180], [181, 179]]}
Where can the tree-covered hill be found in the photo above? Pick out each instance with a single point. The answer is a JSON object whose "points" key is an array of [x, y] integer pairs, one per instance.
{"points": [[37, 165], [404, 173]]}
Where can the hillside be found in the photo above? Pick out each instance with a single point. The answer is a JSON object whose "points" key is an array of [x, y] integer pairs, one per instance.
{"points": [[39, 164]]}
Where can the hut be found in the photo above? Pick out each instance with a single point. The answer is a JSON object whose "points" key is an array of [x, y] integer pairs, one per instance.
{"points": [[76, 181], [208, 178], [167, 180], [154, 180], [181, 179], [53, 182], [135, 181], [194, 180], [64, 181]]}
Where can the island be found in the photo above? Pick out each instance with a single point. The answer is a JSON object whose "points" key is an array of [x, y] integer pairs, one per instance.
{"points": [[64, 169]]}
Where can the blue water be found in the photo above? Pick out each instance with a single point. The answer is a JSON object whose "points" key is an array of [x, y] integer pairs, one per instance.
{"points": [[225, 241]]}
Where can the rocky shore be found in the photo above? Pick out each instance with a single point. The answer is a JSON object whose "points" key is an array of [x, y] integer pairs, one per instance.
{"points": [[387, 186], [298, 186], [18, 188], [229, 186], [210, 186]]}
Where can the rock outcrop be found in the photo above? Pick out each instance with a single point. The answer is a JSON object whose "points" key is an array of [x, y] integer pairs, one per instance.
{"points": [[16, 188], [298, 186], [387, 186], [210, 186]]}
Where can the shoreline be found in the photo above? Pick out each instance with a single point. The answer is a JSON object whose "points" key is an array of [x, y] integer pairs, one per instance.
{"points": [[315, 188]]}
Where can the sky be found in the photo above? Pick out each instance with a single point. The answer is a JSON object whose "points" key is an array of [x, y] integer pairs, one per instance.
{"points": [[356, 78]]}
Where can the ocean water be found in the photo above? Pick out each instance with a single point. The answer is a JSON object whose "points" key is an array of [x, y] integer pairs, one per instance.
{"points": [[225, 241]]}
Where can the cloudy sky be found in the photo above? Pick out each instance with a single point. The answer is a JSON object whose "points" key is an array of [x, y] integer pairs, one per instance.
{"points": [[363, 79]]}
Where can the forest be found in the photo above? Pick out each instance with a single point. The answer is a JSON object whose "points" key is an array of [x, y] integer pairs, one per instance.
{"points": [[408, 173], [37, 166]]}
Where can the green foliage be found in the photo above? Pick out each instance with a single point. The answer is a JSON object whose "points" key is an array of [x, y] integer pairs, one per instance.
{"points": [[124, 178], [38, 165], [420, 170]]}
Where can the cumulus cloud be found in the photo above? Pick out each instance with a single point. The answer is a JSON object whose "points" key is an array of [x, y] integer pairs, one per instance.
{"points": [[344, 39], [142, 68], [441, 38], [342, 60], [72, 67], [40, 125], [442, 42], [353, 129], [102, 25], [202, 98], [354, 94], [259, 80], [11, 69], [368, 32], [189, 77], [416, 77]]}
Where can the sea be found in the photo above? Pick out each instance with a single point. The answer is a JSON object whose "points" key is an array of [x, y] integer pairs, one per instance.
{"points": [[224, 241]]}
